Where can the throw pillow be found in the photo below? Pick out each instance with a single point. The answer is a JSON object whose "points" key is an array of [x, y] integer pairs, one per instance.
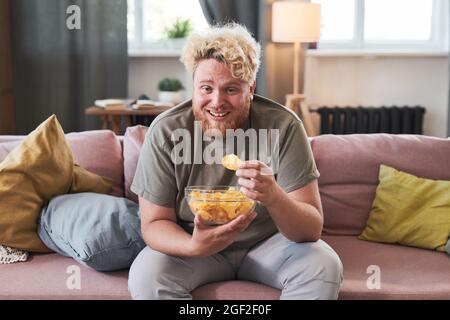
{"points": [[39, 168], [85, 181], [409, 210], [100, 152], [99, 231]]}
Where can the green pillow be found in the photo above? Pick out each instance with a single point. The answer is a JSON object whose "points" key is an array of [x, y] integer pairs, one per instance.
{"points": [[409, 210]]}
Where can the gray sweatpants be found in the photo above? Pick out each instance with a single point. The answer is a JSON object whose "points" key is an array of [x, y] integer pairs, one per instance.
{"points": [[309, 270]]}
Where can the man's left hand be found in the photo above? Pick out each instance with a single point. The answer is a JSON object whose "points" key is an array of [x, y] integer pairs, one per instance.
{"points": [[258, 182]]}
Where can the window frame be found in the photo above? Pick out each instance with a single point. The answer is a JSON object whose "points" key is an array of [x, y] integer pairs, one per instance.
{"points": [[140, 48], [438, 43]]}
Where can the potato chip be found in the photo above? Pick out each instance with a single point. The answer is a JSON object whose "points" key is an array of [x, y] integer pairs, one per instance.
{"points": [[231, 161]]}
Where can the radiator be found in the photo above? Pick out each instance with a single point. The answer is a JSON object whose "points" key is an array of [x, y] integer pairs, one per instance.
{"points": [[348, 120]]}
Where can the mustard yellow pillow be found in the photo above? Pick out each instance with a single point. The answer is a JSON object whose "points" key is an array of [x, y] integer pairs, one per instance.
{"points": [[86, 181], [409, 210], [40, 168]]}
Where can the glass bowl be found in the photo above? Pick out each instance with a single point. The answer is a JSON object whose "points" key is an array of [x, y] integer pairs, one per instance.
{"points": [[218, 204]]}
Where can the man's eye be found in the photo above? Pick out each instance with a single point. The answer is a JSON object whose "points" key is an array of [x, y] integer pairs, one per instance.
{"points": [[232, 90], [206, 88]]}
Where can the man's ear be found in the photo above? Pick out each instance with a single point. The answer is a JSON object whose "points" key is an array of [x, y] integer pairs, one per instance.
{"points": [[252, 88]]}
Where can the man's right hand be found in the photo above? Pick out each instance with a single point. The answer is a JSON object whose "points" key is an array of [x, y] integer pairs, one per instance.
{"points": [[208, 240]]}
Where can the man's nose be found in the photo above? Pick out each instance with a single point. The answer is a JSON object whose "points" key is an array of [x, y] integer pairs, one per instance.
{"points": [[218, 99]]}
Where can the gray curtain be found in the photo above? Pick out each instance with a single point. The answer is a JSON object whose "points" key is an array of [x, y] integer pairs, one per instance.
{"points": [[251, 13], [61, 71]]}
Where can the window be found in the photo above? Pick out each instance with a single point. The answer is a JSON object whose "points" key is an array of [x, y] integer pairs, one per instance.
{"points": [[337, 27], [147, 20], [406, 25]]}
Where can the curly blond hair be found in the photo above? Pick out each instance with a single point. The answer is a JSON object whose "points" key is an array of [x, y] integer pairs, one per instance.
{"points": [[231, 44]]}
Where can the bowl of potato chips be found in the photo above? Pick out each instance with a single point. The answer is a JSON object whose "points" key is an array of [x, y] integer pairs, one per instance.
{"points": [[218, 204]]}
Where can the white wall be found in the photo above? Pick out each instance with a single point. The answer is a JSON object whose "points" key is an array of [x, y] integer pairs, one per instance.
{"points": [[382, 80], [145, 73], [333, 81]]}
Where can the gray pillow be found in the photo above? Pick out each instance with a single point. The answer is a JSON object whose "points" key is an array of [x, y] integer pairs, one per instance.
{"points": [[99, 231]]}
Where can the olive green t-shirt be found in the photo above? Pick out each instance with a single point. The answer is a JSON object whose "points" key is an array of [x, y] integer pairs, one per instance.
{"points": [[161, 177]]}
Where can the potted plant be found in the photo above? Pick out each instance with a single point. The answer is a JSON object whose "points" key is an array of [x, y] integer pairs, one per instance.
{"points": [[177, 32], [170, 90]]}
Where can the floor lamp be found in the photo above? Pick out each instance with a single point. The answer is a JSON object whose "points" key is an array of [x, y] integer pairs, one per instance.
{"points": [[296, 22]]}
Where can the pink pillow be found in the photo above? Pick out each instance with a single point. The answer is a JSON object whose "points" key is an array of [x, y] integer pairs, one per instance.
{"points": [[349, 166], [7, 146], [132, 143], [99, 152], [6, 138]]}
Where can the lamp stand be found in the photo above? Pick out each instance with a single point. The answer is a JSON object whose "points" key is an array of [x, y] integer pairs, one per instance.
{"points": [[296, 66]]}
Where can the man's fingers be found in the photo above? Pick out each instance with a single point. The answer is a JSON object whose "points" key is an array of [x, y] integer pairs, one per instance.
{"points": [[199, 223], [251, 164], [251, 217], [250, 194], [240, 223], [250, 184], [248, 219], [248, 173], [234, 224]]}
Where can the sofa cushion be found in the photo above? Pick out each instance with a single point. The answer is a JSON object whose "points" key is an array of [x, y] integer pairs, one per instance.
{"points": [[40, 168], [405, 272], [8, 146], [10, 138], [426, 276], [98, 151], [132, 144], [52, 276], [349, 171], [409, 210], [100, 231]]}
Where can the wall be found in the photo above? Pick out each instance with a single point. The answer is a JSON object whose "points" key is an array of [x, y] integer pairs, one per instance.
{"points": [[6, 96], [360, 80], [145, 73], [382, 80]]}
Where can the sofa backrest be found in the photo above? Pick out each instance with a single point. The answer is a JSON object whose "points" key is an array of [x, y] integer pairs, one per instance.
{"points": [[349, 166], [132, 144], [98, 151]]}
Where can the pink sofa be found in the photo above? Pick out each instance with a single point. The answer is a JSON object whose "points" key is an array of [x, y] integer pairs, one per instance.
{"points": [[349, 176]]}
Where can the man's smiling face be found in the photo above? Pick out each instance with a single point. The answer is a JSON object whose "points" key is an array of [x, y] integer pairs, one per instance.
{"points": [[220, 101]]}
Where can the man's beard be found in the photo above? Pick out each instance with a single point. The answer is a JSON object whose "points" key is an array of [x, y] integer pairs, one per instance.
{"points": [[238, 119]]}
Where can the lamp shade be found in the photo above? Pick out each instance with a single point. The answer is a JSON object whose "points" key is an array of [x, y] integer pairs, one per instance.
{"points": [[295, 21]]}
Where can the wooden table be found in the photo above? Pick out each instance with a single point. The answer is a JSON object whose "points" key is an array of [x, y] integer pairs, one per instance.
{"points": [[112, 118]]}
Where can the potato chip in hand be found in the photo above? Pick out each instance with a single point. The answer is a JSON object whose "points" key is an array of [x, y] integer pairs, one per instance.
{"points": [[231, 161]]}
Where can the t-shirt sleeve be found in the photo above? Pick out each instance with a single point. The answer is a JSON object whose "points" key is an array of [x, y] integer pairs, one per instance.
{"points": [[297, 167], [154, 179]]}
